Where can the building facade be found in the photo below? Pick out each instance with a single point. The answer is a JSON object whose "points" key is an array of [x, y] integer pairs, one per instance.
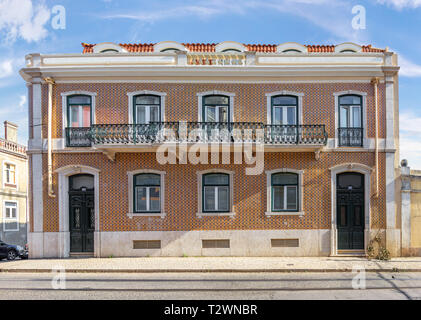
{"points": [[225, 149], [411, 210], [13, 190]]}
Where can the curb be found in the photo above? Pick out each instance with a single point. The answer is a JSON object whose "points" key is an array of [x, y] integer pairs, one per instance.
{"points": [[394, 270]]}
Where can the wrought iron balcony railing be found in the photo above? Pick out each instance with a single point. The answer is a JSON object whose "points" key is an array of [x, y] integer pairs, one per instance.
{"points": [[350, 137], [206, 132], [78, 137]]}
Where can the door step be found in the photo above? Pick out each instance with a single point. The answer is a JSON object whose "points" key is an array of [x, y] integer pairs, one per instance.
{"points": [[81, 254], [352, 253]]}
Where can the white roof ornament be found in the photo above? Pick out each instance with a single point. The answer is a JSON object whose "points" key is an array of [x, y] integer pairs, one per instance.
{"points": [[230, 45], [105, 47], [291, 47], [348, 47], [165, 45]]}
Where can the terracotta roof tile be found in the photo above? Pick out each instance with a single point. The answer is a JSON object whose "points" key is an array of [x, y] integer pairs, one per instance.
{"points": [[210, 47], [320, 48]]}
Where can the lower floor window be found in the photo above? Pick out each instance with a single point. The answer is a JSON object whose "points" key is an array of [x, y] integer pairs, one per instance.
{"points": [[216, 193], [285, 192], [147, 193], [11, 216]]}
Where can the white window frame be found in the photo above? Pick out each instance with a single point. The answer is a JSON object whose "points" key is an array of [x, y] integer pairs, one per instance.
{"points": [[216, 196], [363, 95], [10, 220], [15, 186], [200, 212], [200, 96], [285, 196], [132, 212], [300, 190], [285, 114], [148, 198], [217, 113], [64, 106], [269, 96], [131, 96], [147, 112]]}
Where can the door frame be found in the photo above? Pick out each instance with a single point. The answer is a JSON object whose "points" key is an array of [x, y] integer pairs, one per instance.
{"points": [[63, 199], [350, 167]]}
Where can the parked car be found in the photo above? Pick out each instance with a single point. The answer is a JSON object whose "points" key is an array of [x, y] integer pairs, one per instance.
{"points": [[11, 251]]}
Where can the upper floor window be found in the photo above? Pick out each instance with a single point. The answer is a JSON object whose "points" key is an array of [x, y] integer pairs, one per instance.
{"points": [[147, 193], [284, 110], [284, 189], [79, 108], [10, 175], [216, 108], [216, 192], [350, 120], [146, 109]]}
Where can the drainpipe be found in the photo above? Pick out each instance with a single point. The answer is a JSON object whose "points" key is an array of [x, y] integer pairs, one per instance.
{"points": [[375, 82], [50, 82]]}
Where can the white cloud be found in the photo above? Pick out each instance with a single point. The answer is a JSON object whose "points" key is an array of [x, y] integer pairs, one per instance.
{"points": [[335, 16], [22, 101], [400, 4], [410, 139], [6, 68], [408, 68], [21, 19]]}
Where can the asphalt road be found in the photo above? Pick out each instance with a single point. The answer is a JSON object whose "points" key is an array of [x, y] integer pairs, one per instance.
{"points": [[210, 286]]}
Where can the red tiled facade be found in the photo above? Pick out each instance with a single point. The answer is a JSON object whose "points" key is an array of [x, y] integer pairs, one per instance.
{"points": [[250, 203]]}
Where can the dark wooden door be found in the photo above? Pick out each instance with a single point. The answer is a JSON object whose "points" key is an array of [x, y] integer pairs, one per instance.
{"points": [[350, 211], [82, 219]]}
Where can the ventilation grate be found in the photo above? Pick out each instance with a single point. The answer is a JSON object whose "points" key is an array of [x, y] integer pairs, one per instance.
{"points": [[221, 244], [147, 244], [285, 243]]}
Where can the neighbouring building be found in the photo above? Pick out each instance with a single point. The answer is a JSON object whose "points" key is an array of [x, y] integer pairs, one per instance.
{"points": [[13, 190], [411, 210], [321, 122]]}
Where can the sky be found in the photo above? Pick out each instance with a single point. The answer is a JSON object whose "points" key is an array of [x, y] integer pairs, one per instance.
{"points": [[28, 26]]}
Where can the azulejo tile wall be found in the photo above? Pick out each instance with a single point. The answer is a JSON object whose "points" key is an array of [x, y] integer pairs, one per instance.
{"points": [[181, 193], [249, 101], [181, 180]]}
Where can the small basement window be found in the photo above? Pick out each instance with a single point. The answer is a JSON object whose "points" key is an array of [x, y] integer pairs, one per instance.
{"points": [[147, 244], [285, 243], [213, 244]]}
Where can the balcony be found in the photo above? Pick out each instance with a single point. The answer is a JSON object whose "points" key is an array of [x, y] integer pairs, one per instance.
{"points": [[146, 137], [78, 137], [350, 137]]}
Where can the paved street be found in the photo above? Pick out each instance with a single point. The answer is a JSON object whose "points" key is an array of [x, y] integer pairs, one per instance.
{"points": [[218, 286]]}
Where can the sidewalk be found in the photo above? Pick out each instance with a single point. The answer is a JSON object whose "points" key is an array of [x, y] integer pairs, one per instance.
{"points": [[212, 264]]}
